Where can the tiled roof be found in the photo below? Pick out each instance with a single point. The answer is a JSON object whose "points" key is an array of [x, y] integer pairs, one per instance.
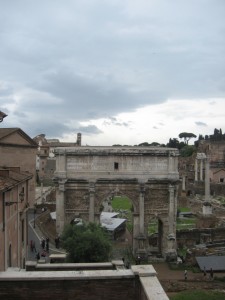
{"points": [[12, 178]]}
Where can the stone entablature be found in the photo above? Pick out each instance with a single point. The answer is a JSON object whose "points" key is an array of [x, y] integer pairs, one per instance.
{"points": [[129, 162]]}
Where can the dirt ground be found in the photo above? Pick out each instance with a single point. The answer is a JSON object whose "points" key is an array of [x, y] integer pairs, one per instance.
{"points": [[173, 281]]}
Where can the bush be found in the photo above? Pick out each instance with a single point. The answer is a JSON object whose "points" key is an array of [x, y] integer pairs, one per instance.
{"points": [[86, 243]]}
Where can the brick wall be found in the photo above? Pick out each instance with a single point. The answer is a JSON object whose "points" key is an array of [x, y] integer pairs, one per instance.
{"points": [[70, 289]]}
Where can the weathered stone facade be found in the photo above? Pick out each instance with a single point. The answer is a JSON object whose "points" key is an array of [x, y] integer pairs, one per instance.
{"points": [[86, 176]]}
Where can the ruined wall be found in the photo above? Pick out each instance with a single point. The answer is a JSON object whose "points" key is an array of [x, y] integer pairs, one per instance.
{"points": [[192, 237]]}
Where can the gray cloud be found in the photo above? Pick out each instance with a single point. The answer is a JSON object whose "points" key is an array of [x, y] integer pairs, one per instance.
{"points": [[90, 129], [64, 63], [200, 123]]}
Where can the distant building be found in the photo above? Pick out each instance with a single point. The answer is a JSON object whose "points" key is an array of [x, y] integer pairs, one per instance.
{"points": [[14, 203], [45, 161]]}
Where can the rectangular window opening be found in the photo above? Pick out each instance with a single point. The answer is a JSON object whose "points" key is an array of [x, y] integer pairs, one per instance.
{"points": [[116, 166]]}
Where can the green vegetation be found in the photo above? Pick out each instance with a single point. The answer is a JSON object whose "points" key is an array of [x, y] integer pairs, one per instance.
{"points": [[186, 136], [221, 199], [123, 205], [199, 295], [153, 227], [182, 252], [187, 151], [183, 209], [121, 202], [86, 243], [186, 223]]}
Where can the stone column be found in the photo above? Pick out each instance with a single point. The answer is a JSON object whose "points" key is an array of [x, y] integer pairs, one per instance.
{"points": [[207, 181], [141, 209], [171, 209], [60, 206], [171, 237], [183, 183], [91, 202], [61, 164], [196, 169], [201, 169]]}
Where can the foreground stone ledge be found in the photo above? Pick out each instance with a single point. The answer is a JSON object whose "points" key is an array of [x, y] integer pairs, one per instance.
{"points": [[138, 283], [66, 275]]}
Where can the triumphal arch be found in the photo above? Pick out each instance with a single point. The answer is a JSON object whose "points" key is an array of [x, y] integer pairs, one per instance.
{"points": [[86, 176]]}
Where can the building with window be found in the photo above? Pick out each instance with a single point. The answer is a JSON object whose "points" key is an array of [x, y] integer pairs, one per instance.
{"points": [[13, 218], [17, 194]]}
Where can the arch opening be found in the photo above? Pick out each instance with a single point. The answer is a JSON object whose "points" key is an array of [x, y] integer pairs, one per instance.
{"points": [[155, 235]]}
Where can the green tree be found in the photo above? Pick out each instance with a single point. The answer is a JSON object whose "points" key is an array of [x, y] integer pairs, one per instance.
{"points": [[187, 136], [144, 144], [187, 151], [86, 243]]}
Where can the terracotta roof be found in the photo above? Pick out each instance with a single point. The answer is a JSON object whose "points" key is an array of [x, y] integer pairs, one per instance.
{"points": [[12, 178]]}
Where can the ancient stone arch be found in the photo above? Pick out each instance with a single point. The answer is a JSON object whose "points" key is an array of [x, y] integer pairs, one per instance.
{"points": [[85, 176]]}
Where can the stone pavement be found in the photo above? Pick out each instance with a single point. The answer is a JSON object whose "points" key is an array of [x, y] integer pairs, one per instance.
{"points": [[36, 235]]}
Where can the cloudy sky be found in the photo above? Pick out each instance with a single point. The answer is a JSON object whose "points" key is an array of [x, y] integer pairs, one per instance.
{"points": [[119, 72]]}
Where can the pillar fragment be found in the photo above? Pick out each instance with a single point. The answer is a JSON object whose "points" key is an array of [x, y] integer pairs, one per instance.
{"points": [[141, 209], [91, 202]]}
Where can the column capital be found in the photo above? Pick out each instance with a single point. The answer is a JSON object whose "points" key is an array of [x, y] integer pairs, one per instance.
{"points": [[62, 185], [91, 187], [142, 188], [171, 187]]}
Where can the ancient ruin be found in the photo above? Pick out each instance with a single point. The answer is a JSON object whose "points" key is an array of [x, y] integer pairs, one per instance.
{"points": [[87, 176]]}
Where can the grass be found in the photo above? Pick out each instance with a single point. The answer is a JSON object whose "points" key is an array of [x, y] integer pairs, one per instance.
{"points": [[120, 202], [199, 295], [186, 223], [183, 209], [153, 227], [123, 205]]}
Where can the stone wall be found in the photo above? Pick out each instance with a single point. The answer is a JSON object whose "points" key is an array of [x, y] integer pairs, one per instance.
{"points": [[192, 237], [69, 289], [138, 283]]}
